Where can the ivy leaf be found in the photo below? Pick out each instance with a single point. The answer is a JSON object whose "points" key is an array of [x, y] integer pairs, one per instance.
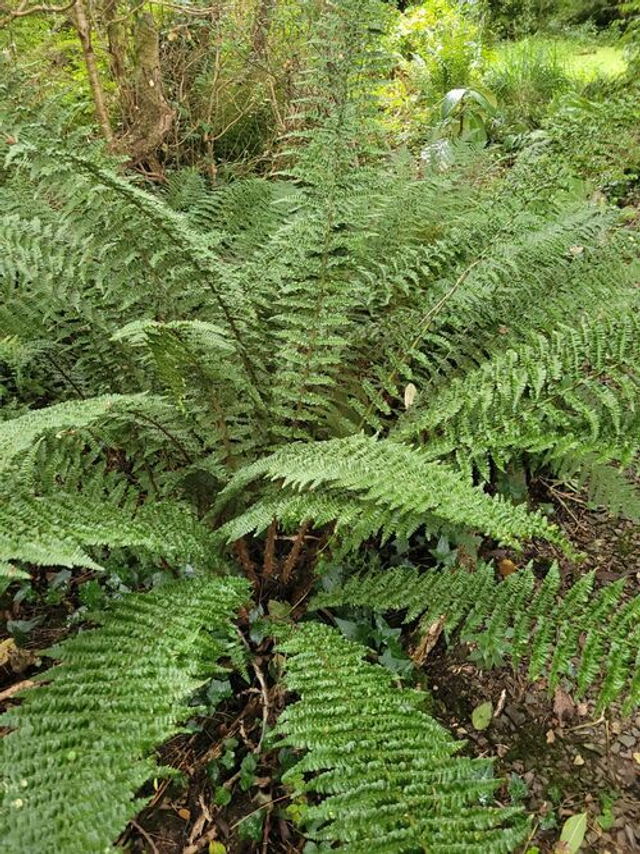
{"points": [[572, 835]]}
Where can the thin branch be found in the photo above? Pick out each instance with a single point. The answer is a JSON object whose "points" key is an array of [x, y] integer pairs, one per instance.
{"points": [[42, 9]]}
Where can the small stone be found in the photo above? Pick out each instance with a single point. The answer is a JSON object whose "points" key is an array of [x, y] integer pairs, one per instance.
{"points": [[627, 740], [616, 728], [515, 715], [578, 760], [551, 736]]}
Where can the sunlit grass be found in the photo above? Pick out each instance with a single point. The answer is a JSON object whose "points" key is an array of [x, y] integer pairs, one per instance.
{"points": [[582, 61]]}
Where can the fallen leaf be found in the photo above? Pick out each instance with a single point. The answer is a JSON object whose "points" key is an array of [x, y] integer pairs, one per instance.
{"points": [[506, 567], [572, 835], [217, 848], [409, 395], [636, 756], [563, 705], [500, 707], [7, 648], [15, 657], [481, 716], [428, 640], [551, 736], [579, 760], [184, 813]]}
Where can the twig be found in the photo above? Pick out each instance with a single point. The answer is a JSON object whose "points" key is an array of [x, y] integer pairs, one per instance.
{"points": [[266, 707], [600, 720], [199, 844], [145, 835], [261, 807], [13, 689]]}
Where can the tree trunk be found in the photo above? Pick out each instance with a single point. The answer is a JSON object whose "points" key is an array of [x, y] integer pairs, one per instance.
{"points": [[83, 28], [152, 114]]}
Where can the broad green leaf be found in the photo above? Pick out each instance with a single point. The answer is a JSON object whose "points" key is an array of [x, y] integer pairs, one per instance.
{"points": [[573, 833], [481, 717]]}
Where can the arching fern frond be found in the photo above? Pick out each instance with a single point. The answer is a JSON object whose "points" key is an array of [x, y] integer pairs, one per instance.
{"points": [[83, 743], [398, 485], [55, 530], [578, 386], [18, 434], [385, 771], [516, 617]]}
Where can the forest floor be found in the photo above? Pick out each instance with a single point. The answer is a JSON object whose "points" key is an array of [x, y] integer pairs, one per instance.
{"points": [[555, 757]]}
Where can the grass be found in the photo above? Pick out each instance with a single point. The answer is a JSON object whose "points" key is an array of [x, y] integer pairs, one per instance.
{"points": [[528, 74], [581, 60]]}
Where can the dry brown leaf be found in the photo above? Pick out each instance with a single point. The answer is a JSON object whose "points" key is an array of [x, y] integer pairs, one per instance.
{"points": [[428, 640], [14, 657], [563, 705], [7, 649], [506, 567]]}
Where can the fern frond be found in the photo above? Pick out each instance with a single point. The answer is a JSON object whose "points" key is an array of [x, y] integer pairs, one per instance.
{"points": [[573, 393], [55, 530], [18, 434], [395, 483], [515, 617], [385, 771], [82, 745]]}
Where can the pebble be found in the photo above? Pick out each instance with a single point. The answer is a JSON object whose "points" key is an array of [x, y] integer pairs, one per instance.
{"points": [[627, 740], [515, 715]]}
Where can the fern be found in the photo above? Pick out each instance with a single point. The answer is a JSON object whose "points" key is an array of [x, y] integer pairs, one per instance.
{"points": [[82, 745], [56, 530], [18, 434], [397, 488], [518, 618], [386, 773], [547, 397]]}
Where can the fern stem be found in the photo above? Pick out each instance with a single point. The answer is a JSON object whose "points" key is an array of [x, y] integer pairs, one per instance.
{"points": [[293, 555]]}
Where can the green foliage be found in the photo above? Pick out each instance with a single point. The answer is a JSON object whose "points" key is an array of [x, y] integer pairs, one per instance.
{"points": [[598, 136], [518, 618], [550, 396], [19, 434], [385, 771], [525, 78], [358, 345], [82, 745], [369, 486]]}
